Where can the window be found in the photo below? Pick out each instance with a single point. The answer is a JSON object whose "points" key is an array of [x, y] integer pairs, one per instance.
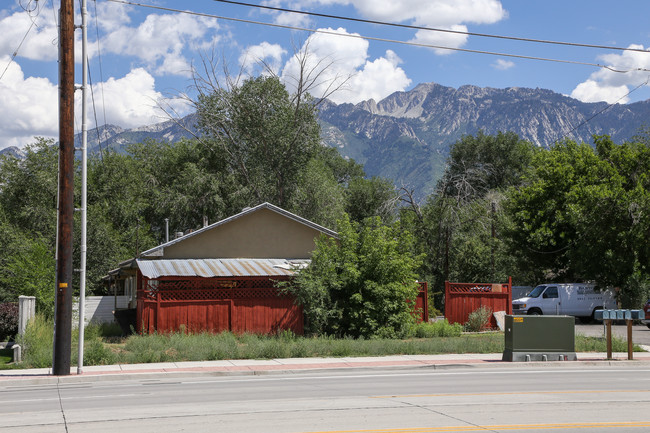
{"points": [[551, 292]]}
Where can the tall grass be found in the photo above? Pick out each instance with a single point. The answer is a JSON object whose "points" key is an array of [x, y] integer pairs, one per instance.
{"points": [[184, 347], [103, 347], [37, 342]]}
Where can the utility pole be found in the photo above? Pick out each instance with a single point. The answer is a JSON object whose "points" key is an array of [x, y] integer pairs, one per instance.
{"points": [[63, 288]]}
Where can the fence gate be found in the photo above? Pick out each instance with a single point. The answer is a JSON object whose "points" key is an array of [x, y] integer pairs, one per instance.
{"points": [[463, 298]]}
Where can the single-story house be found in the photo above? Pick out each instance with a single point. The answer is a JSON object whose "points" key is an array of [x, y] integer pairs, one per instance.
{"points": [[223, 277]]}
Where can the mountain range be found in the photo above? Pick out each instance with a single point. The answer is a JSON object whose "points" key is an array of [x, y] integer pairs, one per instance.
{"points": [[407, 136]]}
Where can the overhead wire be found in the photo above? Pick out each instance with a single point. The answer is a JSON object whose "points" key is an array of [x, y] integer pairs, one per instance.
{"points": [[433, 29], [358, 36], [101, 85], [645, 83], [92, 98], [15, 53]]}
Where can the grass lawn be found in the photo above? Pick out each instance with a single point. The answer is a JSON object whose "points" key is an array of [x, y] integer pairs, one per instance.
{"points": [[6, 356]]}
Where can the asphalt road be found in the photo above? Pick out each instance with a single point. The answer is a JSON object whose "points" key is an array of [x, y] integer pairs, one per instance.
{"points": [[640, 333], [564, 398]]}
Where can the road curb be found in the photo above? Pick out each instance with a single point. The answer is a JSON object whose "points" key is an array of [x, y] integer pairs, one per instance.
{"points": [[143, 374]]}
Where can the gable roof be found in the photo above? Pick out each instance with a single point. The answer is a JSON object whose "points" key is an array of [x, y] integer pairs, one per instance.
{"points": [[157, 251]]}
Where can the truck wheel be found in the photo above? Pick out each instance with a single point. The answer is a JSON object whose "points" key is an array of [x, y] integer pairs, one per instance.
{"points": [[534, 312]]}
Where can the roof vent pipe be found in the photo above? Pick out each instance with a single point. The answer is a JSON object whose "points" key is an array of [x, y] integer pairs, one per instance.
{"points": [[166, 230], [205, 220]]}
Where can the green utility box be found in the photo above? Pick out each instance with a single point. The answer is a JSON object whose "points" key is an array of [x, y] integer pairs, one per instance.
{"points": [[540, 338]]}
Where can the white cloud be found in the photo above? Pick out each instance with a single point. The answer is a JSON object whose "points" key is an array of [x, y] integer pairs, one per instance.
{"points": [[440, 14], [441, 39], [41, 41], [288, 18], [336, 61], [593, 91], [609, 86], [377, 79], [28, 107], [503, 65], [160, 40], [112, 16], [132, 100], [270, 54]]}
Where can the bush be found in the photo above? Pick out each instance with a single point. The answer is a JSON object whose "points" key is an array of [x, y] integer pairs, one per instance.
{"points": [[441, 328], [8, 320], [37, 342], [478, 319]]}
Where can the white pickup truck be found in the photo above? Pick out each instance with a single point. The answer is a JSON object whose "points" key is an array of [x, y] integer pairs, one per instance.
{"points": [[571, 299]]}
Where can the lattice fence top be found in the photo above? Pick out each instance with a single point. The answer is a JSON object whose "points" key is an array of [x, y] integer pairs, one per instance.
{"points": [[477, 288], [206, 289]]}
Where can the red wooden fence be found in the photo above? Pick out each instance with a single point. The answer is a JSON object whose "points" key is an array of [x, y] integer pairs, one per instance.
{"points": [[245, 304], [210, 304], [463, 298]]}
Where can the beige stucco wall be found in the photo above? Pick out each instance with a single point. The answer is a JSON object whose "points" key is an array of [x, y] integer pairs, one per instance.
{"points": [[262, 234]]}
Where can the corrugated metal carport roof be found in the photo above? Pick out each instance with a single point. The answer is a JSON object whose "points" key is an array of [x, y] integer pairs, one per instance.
{"points": [[208, 268]]}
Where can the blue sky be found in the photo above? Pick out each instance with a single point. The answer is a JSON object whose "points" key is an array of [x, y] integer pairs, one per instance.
{"points": [[147, 54]]}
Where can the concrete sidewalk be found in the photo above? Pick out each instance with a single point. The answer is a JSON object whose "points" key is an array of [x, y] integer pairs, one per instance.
{"points": [[294, 365]]}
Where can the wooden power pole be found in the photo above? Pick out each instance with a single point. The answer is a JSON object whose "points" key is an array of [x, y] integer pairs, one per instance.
{"points": [[63, 308]]}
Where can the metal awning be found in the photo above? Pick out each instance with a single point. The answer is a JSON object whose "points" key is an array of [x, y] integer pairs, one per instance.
{"points": [[208, 268]]}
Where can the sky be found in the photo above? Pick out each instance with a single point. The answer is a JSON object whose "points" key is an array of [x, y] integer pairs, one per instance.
{"points": [[144, 59]]}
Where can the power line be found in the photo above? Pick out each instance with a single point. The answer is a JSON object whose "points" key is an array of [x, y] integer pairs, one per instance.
{"points": [[15, 53], [607, 107], [433, 29], [101, 84], [92, 97], [358, 36]]}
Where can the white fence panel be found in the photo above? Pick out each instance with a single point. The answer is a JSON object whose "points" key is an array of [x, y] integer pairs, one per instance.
{"points": [[99, 309]]}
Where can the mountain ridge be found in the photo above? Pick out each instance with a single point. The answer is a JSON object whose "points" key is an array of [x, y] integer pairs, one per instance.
{"points": [[407, 135]]}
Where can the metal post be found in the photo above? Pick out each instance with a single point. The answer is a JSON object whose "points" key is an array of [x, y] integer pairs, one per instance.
{"points": [[84, 185], [63, 288]]}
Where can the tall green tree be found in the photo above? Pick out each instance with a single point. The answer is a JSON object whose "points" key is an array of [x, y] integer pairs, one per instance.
{"points": [[30, 271], [482, 163], [460, 228], [583, 213], [268, 137], [29, 188]]}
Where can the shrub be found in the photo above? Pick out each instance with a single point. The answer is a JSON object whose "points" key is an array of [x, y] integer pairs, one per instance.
{"points": [[37, 342], [8, 320], [478, 319], [441, 328], [110, 330]]}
